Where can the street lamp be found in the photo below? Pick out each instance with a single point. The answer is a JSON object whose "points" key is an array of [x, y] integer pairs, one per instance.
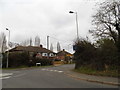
{"points": [[76, 22], [8, 49]]}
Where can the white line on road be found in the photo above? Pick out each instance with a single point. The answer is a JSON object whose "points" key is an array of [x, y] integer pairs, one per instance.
{"points": [[5, 77], [5, 74], [60, 71], [52, 70], [55, 70]]}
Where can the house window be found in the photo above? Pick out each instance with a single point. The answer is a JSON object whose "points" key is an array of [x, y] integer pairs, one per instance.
{"points": [[51, 54], [38, 55], [44, 54]]}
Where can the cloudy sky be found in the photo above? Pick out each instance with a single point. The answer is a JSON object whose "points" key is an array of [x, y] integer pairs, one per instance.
{"points": [[30, 18]]}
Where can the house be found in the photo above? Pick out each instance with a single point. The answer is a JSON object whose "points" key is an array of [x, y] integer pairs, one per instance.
{"points": [[35, 51], [30, 56], [64, 56]]}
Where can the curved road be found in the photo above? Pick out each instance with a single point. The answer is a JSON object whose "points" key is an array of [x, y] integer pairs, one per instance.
{"points": [[46, 77]]}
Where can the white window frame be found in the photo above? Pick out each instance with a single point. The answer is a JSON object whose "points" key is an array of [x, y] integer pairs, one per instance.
{"points": [[51, 55], [44, 54]]}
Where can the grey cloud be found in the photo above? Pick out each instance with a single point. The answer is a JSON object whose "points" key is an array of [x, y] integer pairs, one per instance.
{"points": [[28, 18]]}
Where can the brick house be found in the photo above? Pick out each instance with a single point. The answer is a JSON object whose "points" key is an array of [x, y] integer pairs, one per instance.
{"points": [[35, 51], [30, 55], [64, 56]]}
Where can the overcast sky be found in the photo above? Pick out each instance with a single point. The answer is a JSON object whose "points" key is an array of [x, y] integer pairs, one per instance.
{"points": [[30, 18]]}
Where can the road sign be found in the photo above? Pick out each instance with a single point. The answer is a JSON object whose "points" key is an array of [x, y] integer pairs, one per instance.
{"points": [[74, 47]]}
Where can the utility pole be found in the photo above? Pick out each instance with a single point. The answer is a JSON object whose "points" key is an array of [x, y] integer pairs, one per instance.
{"points": [[48, 42], [76, 23], [8, 49]]}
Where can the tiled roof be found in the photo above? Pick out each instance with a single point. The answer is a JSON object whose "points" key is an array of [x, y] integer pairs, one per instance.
{"points": [[31, 49], [61, 53]]}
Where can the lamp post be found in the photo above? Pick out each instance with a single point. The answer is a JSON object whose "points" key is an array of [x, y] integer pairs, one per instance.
{"points": [[76, 22], [8, 49]]}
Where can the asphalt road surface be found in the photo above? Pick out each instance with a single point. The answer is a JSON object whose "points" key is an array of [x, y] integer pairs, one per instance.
{"points": [[46, 77]]}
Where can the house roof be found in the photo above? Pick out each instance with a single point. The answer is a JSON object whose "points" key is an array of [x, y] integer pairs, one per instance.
{"points": [[62, 53], [31, 49]]}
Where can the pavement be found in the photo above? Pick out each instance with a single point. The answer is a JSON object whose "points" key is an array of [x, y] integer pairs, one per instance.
{"points": [[93, 78]]}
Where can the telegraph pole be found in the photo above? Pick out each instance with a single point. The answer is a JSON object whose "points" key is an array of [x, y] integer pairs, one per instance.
{"points": [[8, 49], [76, 23]]}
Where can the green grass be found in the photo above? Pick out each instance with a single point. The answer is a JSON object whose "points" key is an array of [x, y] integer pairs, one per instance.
{"points": [[110, 73]]}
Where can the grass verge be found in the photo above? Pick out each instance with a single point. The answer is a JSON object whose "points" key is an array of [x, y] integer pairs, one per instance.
{"points": [[110, 73]]}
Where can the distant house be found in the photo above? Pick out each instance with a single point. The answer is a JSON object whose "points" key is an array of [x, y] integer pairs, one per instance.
{"points": [[64, 56], [35, 51]]}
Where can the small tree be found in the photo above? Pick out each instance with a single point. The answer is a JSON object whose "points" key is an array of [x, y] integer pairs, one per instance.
{"points": [[107, 52], [84, 54]]}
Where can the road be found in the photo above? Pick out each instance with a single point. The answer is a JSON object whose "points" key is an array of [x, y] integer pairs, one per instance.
{"points": [[46, 77]]}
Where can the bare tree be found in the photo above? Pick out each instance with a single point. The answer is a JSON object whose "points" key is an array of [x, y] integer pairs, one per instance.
{"points": [[107, 21], [51, 47], [3, 42], [13, 44], [37, 41], [58, 47]]}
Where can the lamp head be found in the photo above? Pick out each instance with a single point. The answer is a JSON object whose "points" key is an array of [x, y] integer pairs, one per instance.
{"points": [[6, 28], [71, 12]]}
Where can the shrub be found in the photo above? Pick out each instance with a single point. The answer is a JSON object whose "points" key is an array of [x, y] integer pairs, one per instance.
{"points": [[44, 62], [99, 56], [16, 59]]}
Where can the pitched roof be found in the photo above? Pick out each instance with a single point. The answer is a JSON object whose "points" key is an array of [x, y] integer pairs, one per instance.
{"points": [[61, 53], [31, 49]]}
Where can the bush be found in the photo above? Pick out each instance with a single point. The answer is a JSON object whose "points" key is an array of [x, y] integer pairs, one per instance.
{"points": [[84, 54], [44, 62], [99, 56], [16, 59], [4, 60]]}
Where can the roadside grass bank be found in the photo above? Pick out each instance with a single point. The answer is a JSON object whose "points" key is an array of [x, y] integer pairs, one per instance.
{"points": [[22, 67], [89, 71]]}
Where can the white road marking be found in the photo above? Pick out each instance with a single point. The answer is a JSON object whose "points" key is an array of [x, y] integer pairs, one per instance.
{"points": [[60, 71], [55, 70], [52, 70], [5, 75]]}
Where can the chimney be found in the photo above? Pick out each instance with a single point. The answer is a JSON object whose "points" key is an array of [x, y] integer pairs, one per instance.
{"points": [[41, 46]]}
